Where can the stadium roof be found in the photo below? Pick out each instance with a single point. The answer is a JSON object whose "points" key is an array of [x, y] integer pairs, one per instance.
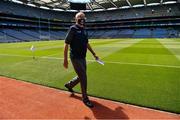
{"points": [[92, 5]]}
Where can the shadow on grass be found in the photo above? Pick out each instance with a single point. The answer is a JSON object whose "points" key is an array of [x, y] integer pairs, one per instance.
{"points": [[104, 112]]}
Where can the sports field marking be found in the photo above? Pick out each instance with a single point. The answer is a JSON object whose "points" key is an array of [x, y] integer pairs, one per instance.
{"points": [[110, 62], [154, 65], [114, 49], [48, 47], [149, 86]]}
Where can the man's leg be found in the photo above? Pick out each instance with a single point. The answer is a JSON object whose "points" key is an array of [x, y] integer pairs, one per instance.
{"points": [[80, 68], [73, 82]]}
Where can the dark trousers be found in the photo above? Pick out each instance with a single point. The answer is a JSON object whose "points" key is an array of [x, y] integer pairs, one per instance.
{"points": [[80, 68]]}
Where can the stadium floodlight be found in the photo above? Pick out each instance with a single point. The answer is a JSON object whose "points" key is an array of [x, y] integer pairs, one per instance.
{"points": [[124, 7], [30, 4], [17, 1], [79, 1], [99, 10], [71, 10], [139, 5], [114, 8], [153, 4], [56, 9], [43, 7], [170, 2]]}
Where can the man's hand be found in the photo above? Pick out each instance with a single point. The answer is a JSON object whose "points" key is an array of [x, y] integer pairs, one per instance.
{"points": [[92, 51], [96, 57], [65, 64]]}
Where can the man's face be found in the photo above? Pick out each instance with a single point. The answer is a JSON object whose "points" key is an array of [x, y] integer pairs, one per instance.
{"points": [[80, 19]]}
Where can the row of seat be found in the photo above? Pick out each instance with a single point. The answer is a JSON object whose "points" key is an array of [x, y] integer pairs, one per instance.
{"points": [[17, 35]]}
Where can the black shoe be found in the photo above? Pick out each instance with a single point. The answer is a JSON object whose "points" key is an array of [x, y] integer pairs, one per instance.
{"points": [[69, 89], [88, 103]]}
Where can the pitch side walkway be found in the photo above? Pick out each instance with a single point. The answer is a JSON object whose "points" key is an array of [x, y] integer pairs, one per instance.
{"points": [[25, 100]]}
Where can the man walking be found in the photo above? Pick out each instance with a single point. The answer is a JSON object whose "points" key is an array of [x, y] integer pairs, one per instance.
{"points": [[77, 39]]}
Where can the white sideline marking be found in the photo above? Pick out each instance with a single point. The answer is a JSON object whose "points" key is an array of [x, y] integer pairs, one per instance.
{"points": [[154, 65], [111, 62]]}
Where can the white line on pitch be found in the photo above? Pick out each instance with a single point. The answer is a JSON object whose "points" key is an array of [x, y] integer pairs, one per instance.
{"points": [[110, 62]]}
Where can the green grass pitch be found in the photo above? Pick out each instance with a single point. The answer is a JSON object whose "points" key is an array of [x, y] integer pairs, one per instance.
{"points": [[143, 72]]}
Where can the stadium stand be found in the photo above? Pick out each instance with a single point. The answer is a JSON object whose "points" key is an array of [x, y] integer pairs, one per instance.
{"points": [[19, 24], [24, 10]]}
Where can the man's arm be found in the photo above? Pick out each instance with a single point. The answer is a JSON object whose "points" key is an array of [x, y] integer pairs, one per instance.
{"points": [[92, 51], [66, 46], [68, 40]]}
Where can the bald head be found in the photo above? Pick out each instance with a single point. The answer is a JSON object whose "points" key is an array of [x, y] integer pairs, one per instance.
{"points": [[80, 15], [80, 19]]}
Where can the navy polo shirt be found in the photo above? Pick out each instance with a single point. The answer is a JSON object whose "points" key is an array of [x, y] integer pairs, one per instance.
{"points": [[77, 38]]}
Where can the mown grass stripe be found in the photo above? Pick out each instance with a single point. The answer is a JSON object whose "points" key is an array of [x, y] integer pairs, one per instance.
{"points": [[111, 62], [172, 45], [126, 75]]}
